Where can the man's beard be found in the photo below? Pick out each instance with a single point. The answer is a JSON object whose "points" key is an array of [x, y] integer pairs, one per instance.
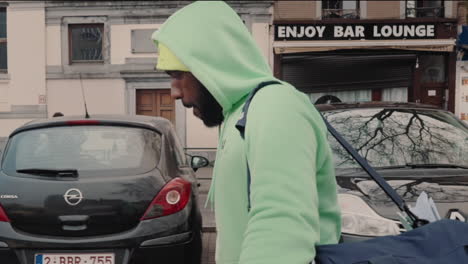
{"points": [[211, 112]]}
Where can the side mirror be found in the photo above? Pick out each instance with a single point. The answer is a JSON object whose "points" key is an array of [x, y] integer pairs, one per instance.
{"points": [[197, 162]]}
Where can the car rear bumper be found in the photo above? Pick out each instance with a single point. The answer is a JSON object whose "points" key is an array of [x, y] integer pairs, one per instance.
{"points": [[175, 249], [146, 230], [170, 239]]}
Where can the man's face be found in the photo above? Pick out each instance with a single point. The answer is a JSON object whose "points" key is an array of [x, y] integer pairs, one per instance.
{"points": [[186, 87]]}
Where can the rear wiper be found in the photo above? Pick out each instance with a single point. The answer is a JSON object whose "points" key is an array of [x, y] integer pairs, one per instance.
{"points": [[50, 172]]}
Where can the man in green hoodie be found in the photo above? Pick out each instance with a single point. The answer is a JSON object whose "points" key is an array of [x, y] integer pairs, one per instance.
{"points": [[214, 64]]}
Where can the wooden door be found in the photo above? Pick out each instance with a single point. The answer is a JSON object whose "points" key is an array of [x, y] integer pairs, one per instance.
{"points": [[433, 94], [431, 80], [155, 102]]}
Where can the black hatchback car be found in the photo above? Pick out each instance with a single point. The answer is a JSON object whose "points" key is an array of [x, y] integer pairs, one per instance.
{"points": [[414, 147], [102, 190]]}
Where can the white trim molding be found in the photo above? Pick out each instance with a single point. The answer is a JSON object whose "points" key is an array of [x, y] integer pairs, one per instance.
{"points": [[318, 10], [363, 9], [364, 43], [402, 9], [448, 9], [441, 45]]}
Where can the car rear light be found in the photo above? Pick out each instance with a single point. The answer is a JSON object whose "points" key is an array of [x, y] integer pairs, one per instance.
{"points": [[3, 215], [83, 122], [172, 198]]}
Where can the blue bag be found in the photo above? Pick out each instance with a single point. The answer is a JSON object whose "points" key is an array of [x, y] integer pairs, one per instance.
{"points": [[444, 241]]}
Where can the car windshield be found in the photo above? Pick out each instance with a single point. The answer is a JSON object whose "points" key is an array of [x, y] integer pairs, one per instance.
{"points": [[398, 137], [87, 149]]}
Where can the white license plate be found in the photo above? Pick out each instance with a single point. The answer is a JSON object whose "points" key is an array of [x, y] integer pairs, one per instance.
{"points": [[97, 258]]}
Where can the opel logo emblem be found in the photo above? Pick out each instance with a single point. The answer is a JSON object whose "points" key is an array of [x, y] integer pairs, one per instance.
{"points": [[73, 197]]}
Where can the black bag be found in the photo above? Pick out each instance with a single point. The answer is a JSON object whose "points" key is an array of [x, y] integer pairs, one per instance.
{"points": [[444, 241]]}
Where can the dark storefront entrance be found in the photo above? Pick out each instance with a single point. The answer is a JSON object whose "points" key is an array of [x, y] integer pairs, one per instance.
{"points": [[369, 75]]}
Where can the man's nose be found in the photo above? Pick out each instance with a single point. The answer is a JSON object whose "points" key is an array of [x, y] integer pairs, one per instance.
{"points": [[176, 93]]}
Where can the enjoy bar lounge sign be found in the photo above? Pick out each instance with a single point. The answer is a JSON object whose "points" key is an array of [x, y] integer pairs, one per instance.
{"points": [[354, 31]]}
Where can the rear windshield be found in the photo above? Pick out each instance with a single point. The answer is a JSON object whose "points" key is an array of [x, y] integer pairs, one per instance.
{"points": [[396, 137], [88, 149]]}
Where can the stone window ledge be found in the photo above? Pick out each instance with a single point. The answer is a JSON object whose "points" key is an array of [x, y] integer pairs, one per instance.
{"points": [[4, 77]]}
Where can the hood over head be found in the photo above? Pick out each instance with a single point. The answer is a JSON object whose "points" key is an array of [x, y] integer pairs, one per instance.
{"points": [[211, 40]]}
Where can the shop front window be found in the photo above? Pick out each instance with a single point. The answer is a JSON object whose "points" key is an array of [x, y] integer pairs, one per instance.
{"points": [[340, 9], [342, 96], [399, 94], [424, 8]]}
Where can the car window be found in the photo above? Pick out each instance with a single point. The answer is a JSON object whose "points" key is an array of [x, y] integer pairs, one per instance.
{"points": [[92, 149], [178, 150], [396, 137]]}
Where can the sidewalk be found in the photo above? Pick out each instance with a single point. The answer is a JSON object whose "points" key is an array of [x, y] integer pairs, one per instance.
{"points": [[204, 179], [209, 226]]}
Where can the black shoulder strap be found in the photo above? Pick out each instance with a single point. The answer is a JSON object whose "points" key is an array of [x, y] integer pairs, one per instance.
{"points": [[240, 125]]}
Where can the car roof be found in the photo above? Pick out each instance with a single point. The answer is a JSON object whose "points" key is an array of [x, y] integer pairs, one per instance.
{"points": [[158, 123], [359, 105]]}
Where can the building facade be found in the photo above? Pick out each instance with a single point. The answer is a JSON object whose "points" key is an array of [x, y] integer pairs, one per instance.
{"points": [[368, 50], [461, 95], [55, 53]]}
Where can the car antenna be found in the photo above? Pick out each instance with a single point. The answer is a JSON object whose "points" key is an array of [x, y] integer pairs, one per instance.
{"points": [[84, 98]]}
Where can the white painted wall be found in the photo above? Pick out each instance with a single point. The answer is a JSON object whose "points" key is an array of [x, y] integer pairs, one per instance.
{"points": [[449, 8], [199, 136], [402, 9], [105, 96], [260, 32], [121, 42], [363, 9], [26, 52], [4, 104], [53, 40], [8, 125]]}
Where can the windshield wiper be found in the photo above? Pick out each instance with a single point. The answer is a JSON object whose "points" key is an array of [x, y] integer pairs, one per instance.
{"points": [[51, 172], [436, 165], [429, 165]]}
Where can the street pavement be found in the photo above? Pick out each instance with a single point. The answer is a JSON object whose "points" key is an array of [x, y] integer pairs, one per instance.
{"points": [[209, 226]]}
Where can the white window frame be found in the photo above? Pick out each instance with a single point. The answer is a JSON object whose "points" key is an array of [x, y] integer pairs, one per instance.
{"points": [[357, 9], [4, 40], [65, 41]]}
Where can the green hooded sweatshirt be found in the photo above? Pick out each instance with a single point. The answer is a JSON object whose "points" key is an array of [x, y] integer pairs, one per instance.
{"points": [[293, 188]]}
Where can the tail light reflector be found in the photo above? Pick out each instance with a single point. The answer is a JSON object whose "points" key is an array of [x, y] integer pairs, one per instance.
{"points": [[172, 198], [3, 215]]}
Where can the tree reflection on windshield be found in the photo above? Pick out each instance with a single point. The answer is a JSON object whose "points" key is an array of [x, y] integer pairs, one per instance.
{"points": [[396, 137]]}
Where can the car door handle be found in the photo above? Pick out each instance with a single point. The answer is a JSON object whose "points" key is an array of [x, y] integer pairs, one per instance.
{"points": [[73, 220], [74, 228]]}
